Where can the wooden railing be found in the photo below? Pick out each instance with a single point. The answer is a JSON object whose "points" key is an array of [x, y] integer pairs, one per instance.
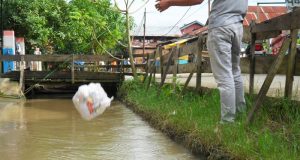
{"points": [[270, 29]]}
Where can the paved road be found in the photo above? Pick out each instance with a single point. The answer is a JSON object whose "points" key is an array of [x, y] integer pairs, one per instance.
{"points": [[276, 89]]}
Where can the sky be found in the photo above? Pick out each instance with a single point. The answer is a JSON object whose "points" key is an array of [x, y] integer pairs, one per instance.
{"points": [[171, 16]]}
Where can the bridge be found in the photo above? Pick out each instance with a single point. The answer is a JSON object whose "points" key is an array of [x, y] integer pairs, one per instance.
{"points": [[62, 73]]}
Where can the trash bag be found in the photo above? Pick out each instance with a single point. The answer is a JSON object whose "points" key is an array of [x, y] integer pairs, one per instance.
{"points": [[91, 100]]}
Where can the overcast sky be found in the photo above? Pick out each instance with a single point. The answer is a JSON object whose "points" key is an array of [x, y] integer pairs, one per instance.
{"points": [[171, 16]]}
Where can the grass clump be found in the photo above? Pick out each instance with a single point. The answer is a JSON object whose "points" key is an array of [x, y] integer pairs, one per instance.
{"points": [[193, 119]]}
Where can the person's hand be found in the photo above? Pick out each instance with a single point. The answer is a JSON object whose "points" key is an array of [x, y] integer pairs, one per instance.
{"points": [[162, 5]]}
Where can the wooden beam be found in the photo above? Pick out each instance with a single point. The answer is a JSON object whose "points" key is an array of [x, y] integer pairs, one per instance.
{"points": [[147, 67], [187, 82], [164, 75], [21, 83], [252, 63], [152, 68], [175, 66], [291, 65], [63, 75], [72, 70], [266, 85], [267, 35], [161, 61], [200, 44], [284, 22], [55, 58]]}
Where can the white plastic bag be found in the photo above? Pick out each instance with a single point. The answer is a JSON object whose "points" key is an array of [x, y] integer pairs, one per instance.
{"points": [[91, 100]]}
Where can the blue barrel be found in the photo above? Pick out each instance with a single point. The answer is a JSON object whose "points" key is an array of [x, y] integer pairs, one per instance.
{"points": [[8, 65]]}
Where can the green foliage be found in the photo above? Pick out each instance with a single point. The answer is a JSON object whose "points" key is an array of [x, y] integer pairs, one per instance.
{"points": [[80, 26]]}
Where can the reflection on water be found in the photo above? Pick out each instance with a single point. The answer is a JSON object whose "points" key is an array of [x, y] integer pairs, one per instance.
{"points": [[52, 129]]}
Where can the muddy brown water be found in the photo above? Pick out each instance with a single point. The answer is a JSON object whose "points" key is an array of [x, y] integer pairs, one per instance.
{"points": [[53, 129]]}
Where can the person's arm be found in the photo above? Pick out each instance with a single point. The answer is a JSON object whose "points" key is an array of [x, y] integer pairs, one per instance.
{"points": [[165, 4]]}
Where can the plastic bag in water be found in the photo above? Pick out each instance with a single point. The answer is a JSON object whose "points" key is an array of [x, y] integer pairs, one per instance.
{"points": [[91, 100]]}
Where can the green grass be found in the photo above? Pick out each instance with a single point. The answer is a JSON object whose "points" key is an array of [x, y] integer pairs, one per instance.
{"points": [[275, 133]]}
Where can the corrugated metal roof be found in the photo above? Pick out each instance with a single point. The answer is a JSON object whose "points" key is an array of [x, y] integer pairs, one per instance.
{"points": [[159, 31], [191, 23], [263, 13]]}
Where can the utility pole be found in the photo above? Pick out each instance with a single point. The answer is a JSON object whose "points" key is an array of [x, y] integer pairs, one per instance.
{"points": [[144, 35]]}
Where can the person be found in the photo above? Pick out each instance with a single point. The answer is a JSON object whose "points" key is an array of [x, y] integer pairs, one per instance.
{"points": [[225, 31]]}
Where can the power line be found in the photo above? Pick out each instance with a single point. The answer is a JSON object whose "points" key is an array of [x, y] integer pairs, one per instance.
{"points": [[142, 6], [198, 9], [178, 21], [186, 17]]}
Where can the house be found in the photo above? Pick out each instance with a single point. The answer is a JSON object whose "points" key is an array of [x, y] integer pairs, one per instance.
{"points": [[260, 14], [255, 13], [187, 29], [153, 36]]}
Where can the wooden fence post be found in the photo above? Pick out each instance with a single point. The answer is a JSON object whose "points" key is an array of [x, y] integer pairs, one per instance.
{"points": [[187, 82], [175, 66], [152, 69], [291, 65], [147, 68], [163, 78], [73, 70], [199, 62], [22, 82], [271, 74], [252, 63], [161, 61]]}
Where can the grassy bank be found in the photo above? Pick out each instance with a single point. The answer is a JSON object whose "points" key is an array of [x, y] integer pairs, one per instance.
{"points": [[193, 119]]}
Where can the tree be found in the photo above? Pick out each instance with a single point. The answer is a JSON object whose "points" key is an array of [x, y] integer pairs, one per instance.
{"points": [[77, 26], [128, 5], [97, 23]]}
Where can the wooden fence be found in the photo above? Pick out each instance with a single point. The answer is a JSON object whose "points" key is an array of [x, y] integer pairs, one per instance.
{"points": [[271, 65]]}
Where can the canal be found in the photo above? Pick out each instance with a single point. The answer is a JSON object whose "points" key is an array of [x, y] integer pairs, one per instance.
{"points": [[53, 129]]}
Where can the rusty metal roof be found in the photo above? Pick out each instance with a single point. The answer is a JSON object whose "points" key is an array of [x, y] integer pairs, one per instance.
{"points": [[263, 13]]}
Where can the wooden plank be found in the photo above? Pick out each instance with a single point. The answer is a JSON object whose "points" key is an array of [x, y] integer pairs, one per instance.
{"points": [[291, 65], [199, 62], [161, 61], [55, 58], [187, 82], [164, 75], [252, 63], [72, 70], [266, 85], [64, 75], [21, 83], [284, 22], [141, 55], [187, 68], [147, 69], [267, 35], [152, 68], [190, 48], [175, 67]]}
